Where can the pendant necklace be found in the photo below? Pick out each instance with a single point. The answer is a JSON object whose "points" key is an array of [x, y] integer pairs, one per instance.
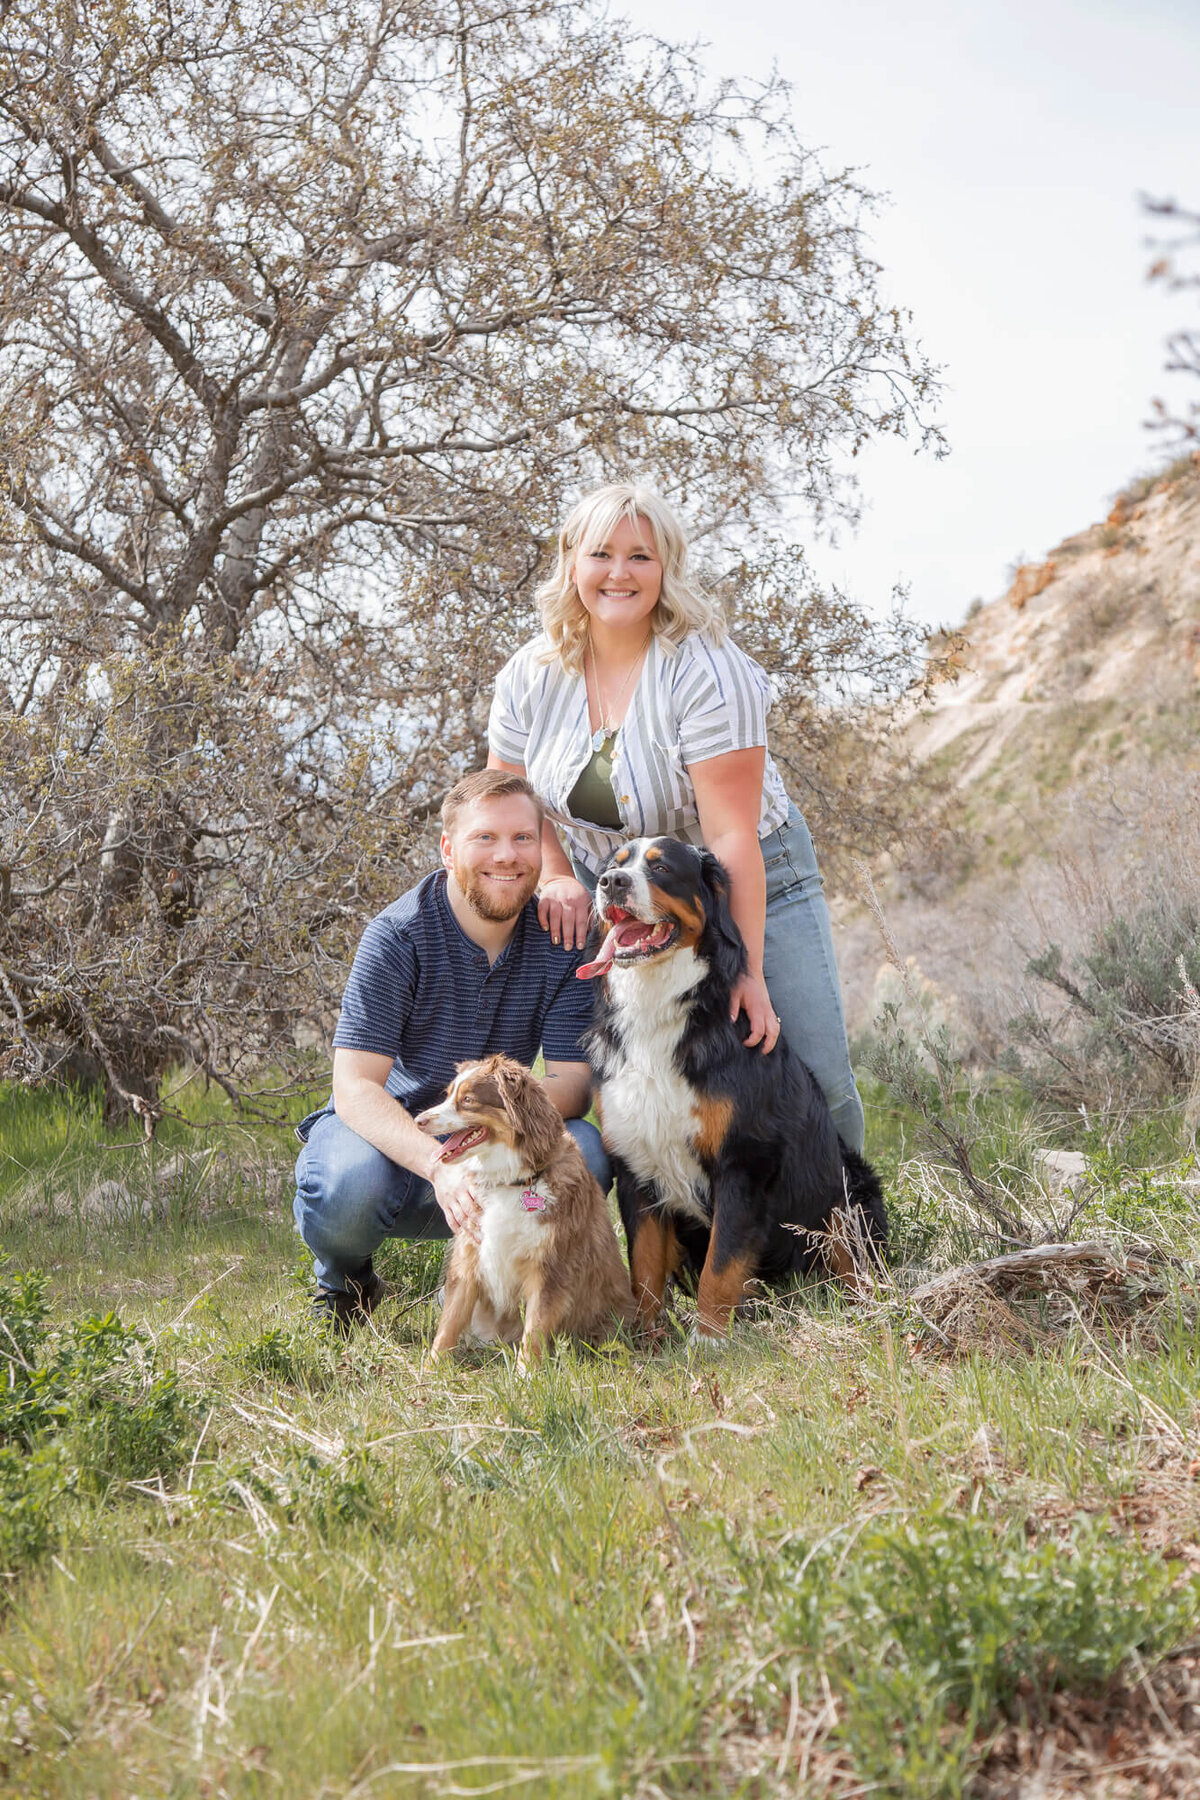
{"points": [[606, 729]]}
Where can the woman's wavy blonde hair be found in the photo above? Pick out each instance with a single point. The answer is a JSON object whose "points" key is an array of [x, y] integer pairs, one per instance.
{"points": [[681, 608]]}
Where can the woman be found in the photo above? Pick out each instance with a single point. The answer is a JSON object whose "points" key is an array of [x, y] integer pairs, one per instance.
{"points": [[634, 715]]}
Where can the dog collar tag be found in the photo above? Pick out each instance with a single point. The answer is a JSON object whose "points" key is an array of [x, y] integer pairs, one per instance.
{"points": [[533, 1202]]}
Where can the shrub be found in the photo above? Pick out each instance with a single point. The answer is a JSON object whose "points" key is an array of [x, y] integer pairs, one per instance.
{"points": [[1122, 1025], [30, 1489], [93, 1389]]}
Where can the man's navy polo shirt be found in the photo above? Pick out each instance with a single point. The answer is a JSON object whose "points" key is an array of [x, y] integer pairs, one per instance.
{"points": [[422, 993]]}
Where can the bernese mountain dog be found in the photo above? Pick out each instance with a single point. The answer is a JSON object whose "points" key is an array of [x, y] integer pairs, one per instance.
{"points": [[729, 1166]]}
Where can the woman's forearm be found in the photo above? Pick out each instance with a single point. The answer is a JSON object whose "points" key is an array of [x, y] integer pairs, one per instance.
{"points": [[740, 853], [554, 858]]}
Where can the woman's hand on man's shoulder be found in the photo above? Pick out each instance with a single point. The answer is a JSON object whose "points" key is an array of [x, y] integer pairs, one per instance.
{"points": [[565, 911]]}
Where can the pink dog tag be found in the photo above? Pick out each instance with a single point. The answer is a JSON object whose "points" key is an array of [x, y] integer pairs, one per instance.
{"points": [[533, 1202]]}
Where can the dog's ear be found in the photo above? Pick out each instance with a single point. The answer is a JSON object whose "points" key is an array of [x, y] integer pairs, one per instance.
{"points": [[728, 947], [536, 1121]]}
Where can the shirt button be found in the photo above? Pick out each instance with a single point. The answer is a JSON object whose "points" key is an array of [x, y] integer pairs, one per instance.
{"points": [[624, 799]]}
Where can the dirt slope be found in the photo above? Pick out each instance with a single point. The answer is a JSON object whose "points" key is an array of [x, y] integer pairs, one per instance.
{"points": [[1110, 619], [1072, 733]]}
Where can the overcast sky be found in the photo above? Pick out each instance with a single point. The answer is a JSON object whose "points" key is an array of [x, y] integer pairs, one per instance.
{"points": [[1013, 140]]}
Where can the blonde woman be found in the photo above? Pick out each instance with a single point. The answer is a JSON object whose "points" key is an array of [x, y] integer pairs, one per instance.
{"points": [[635, 715]]}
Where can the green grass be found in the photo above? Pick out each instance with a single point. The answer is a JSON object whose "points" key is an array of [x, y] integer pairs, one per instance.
{"points": [[247, 1560]]}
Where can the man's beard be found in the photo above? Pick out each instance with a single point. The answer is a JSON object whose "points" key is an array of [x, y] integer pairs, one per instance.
{"points": [[497, 909]]}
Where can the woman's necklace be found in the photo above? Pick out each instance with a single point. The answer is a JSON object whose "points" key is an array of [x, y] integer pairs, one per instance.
{"points": [[606, 727]]}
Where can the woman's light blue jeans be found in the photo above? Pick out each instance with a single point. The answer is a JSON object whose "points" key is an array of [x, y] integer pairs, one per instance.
{"points": [[800, 969], [350, 1196]]}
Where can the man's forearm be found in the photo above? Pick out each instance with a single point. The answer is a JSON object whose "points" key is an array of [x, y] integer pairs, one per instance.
{"points": [[384, 1122], [569, 1089]]}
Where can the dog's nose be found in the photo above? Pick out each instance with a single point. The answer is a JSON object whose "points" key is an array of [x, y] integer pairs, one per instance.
{"points": [[613, 882]]}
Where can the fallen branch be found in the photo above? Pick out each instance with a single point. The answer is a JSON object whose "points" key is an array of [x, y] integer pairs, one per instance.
{"points": [[1040, 1261], [978, 1303]]}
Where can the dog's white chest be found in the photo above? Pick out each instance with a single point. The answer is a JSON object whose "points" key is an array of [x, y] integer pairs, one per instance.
{"points": [[647, 1105], [509, 1235]]}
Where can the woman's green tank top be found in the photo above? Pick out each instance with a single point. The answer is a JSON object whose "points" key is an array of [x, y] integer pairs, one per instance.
{"points": [[592, 797]]}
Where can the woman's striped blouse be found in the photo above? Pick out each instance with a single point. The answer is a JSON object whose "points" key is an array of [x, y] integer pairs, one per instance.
{"points": [[700, 700]]}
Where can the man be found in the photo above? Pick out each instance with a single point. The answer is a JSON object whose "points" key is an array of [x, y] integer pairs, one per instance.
{"points": [[453, 970]]}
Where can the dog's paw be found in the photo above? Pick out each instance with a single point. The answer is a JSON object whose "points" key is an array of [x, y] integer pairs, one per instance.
{"points": [[653, 1335], [707, 1343]]}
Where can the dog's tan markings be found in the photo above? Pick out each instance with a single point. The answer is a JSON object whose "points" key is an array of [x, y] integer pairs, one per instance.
{"points": [[720, 1290], [653, 1255], [689, 918], [713, 1117], [622, 856], [838, 1250], [654, 854]]}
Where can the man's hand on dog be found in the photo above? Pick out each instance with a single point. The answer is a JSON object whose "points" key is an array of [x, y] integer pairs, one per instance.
{"points": [[456, 1198]]}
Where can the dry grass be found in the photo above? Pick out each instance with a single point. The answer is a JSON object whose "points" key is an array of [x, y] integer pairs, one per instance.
{"points": [[631, 1574]]}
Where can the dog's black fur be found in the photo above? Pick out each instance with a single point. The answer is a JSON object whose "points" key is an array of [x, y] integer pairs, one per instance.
{"points": [[761, 1132]]}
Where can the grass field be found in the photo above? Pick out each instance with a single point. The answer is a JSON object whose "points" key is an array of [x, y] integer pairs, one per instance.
{"points": [[855, 1553]]}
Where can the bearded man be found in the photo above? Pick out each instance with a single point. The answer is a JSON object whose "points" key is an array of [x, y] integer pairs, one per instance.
{"points": [[454, 970]]}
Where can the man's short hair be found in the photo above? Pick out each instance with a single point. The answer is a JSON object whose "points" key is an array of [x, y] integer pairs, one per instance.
{"points": [[486, 784]]}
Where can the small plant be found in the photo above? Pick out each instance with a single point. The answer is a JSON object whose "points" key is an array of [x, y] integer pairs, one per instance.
{"points": [[413, 1271], [305, 1489], [276, 1354], [931, 1628], [329, 1495]]}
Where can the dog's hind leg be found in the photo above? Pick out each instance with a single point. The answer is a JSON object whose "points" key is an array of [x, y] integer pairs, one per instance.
{"points": [[843, 1247], [487, 1327], [864, 1191]]}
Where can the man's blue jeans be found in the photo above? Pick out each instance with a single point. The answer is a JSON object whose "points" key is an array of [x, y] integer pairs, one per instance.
{"points": [[349, 1196]]}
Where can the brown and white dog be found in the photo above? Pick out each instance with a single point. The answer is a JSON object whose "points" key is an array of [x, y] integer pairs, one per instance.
{"points": [[546, 1241]]}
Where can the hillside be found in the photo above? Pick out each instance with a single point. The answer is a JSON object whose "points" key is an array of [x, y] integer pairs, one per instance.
{"points": [[1069, 737]]}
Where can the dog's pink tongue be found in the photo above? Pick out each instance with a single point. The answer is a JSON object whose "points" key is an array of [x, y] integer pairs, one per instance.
{"points": [[608, 948], [454, 1143]]}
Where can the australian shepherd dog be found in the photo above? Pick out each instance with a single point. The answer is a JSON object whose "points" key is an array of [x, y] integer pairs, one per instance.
{"points": [[546, 1242], [729, 1166]]}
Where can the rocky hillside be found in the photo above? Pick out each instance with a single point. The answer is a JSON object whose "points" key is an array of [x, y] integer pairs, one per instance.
{"points": [[1107, 628], [1072, 733]]}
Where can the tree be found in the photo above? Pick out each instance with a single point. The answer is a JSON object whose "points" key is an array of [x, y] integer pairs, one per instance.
{"points": [[1183, 347], [311, 319]]}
